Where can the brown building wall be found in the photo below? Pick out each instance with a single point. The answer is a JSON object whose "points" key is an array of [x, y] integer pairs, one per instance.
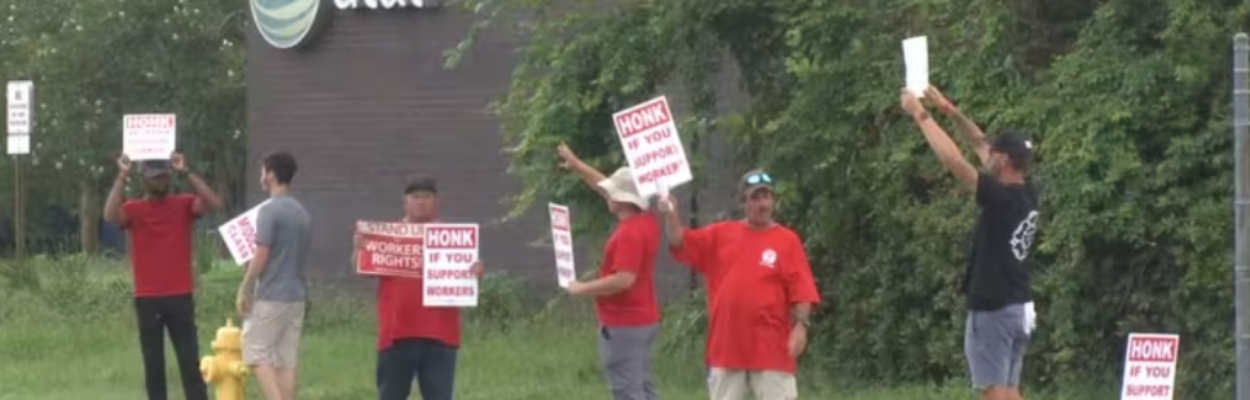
{"points": [[371, 104]]}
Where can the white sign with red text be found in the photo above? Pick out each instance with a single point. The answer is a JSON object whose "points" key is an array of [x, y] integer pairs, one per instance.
{"points": [[149, 136], [652, 146], [240, 235], [562, 241], [1150, 366], [450, 252]]}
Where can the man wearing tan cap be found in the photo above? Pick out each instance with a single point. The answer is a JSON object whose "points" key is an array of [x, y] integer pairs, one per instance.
{"points": [[624, 293]]}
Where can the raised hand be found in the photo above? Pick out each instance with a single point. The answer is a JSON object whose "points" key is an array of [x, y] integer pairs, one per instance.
{"points": [[178, 162], [123, 164], [567, 158]]}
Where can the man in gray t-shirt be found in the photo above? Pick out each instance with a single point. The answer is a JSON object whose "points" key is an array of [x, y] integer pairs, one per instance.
{"points": [[273, 294]]}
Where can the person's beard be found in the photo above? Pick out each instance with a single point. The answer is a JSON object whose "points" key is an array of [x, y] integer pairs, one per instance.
{"points": [[158, 192]]}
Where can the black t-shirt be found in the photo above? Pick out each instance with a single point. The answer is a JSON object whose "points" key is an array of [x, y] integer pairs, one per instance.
{"points": [[998, 274]]}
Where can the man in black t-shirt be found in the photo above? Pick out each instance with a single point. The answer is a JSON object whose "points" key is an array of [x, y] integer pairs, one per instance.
{"points": [[1000, 304]]}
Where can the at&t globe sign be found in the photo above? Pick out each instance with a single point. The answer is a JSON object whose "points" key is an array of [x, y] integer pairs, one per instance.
{"points": [[293, 24]]}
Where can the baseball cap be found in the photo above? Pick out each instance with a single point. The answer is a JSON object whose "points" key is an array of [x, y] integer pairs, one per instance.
{"points": [[421, 184], [755, 179], [155, 168], [1015, 146]]}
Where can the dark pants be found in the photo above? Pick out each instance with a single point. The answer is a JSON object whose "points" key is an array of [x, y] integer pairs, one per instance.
{"points": [[176, 314], [431, 362]]}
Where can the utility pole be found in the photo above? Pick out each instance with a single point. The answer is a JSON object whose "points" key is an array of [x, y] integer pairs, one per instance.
{"points": [[1241, 262]]}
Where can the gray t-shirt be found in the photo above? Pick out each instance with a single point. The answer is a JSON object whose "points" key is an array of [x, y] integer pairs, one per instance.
{"points": [[285, 227]]}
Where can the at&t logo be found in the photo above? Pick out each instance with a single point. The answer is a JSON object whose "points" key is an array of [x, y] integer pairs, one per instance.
{"points": [[293, 24]]}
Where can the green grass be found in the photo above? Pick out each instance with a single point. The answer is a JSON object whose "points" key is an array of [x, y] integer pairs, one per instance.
{"points": [[75, 339]]}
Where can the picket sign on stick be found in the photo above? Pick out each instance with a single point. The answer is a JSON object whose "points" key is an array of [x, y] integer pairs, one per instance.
{"points": [[652, 146], [240, 234], [1150, 366], [450, 252], [916, 60], [390, 249], [149, 136], [562, 242]]}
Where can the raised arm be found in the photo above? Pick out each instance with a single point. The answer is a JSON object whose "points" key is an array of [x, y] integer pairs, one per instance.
{"points": [[206, 199], [113, 205], [969, 129], [589, 175], [941, 143]]}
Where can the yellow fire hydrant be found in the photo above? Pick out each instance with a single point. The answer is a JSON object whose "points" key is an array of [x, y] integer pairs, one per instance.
{"points": [[225, 370]]}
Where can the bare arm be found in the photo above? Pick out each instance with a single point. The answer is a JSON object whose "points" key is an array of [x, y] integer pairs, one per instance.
{"points": [[941, 143], [209, 201], [802, 312], [967, 127], [113, 205], [673, 226], [254, 268], [589, 175], [608, 285]]}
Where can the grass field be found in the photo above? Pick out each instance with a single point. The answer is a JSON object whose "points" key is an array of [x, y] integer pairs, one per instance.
{"points": [[75, 339]]}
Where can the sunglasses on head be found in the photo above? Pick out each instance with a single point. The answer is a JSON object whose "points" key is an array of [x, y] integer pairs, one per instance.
{"points": [[758, 178]]}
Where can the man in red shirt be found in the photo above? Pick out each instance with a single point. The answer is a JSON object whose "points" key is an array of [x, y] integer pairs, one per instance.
{"points": [[760, 292], [415, 341], [624, 293], [161, 227]]}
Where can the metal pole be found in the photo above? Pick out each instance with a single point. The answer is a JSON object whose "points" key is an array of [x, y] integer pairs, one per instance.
{"points": [[19, 228], [1241, 266]]}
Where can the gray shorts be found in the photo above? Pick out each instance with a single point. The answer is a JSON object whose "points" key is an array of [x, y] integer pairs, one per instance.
{"points": [[995, 342], [625, 354]]}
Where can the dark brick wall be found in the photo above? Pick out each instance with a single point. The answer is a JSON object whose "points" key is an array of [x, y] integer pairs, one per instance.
{"points": [[371, 104]]}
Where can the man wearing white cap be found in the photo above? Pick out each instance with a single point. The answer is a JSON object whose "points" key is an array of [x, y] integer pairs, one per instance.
{"points": [[624, 293]]}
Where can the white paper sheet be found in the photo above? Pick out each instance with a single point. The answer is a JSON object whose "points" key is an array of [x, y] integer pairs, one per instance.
{"points": [[916, 58]]}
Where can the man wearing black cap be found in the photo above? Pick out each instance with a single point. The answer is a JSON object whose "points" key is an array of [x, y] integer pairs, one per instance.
{"points": [[1000, 303], [161, 227], [760, 294], [415, 341]]}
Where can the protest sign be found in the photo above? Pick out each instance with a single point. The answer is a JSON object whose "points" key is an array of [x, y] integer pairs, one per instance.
{"points": [[449, 254], [1150, 366], [389, 249], [20, 115], [149, 136], [562, 241], [652, 146], [916, 61], [240, 234]]}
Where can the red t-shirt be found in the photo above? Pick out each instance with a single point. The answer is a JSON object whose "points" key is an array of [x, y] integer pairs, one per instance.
{"points": [[632, 248], [161, 232], [754, 277], [402, 314]]}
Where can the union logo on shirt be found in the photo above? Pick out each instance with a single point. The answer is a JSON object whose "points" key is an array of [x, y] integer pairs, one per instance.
{"points": [[769, 258]]}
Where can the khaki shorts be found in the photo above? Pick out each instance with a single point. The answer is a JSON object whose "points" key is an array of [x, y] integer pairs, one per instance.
{"points": [[271, 334], [736, 384]]}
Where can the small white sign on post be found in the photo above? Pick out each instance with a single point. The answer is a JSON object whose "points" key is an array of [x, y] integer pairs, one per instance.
{"points": [[450, 252], [1150, 366], [652, 146], [916, 60], [240, 234], [562, 241], [149, 136], [20, 115]]}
